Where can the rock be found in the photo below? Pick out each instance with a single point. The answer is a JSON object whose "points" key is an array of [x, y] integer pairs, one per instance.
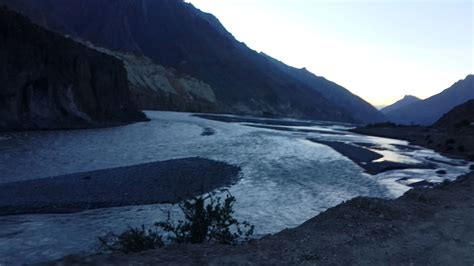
{"points": [[423, 184], [441, 172]]}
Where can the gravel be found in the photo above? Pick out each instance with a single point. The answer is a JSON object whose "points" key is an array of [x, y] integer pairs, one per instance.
{"points": [[159, 182]]}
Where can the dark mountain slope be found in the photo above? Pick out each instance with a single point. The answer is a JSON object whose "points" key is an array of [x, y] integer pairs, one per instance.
{"points": [[338, 95], [175, 34], [428, 111], [408, 99], [462, 116], [48, 81]]}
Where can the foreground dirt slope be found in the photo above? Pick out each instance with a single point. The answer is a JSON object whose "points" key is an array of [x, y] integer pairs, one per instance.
{"points": [[425, 226]]}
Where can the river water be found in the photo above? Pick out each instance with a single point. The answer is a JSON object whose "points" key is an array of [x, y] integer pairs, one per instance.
{"points": [[285, 180]]}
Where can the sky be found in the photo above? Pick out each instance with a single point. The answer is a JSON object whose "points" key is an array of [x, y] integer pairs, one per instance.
{"points": [[380, 50]]}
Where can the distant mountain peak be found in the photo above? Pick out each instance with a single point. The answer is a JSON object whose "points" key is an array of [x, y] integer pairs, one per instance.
{"points": [[338, 95], [428, 111], [406, 100]]}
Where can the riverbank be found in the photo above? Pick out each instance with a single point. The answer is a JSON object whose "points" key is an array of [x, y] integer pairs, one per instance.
{"points": [[425, 226], [368, 160], [454, 143], [159, 182]]}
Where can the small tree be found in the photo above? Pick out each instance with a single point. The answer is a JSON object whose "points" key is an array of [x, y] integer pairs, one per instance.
{"points": [[132, 240], [212, 222]]}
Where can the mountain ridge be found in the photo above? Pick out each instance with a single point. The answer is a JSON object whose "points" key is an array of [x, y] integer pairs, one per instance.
{"points": [[460, 117], [194, 43], [428, 111], [406, 100], [340, 96]]}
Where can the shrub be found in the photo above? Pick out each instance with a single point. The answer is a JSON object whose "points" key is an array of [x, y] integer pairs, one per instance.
{"points": [[441, 172], [446, 182], [132, 240], [463, 123], [211, 222], [450, 141]]}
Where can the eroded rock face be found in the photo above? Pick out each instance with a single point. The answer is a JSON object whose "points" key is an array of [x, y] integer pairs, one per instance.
{"points": [[155, 87], [48, 81]]}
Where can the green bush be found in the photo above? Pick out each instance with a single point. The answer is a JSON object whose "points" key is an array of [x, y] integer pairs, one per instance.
{"points": [[132, 240], [212, 222], [446, 182], [463, 123], [450, 141]]}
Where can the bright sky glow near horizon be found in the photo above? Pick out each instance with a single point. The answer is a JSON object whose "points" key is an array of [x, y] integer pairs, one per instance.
{"points": [[380, 50]]}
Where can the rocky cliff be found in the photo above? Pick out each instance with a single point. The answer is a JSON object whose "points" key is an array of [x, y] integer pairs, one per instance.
{"points": [[155, 87], [48, 81]]}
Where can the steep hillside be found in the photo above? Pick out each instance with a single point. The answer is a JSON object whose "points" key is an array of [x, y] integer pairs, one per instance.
{"points": [[338, 95], [428, 111], [49, 81], [408, 99], [460, 117], [175, 34]]}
